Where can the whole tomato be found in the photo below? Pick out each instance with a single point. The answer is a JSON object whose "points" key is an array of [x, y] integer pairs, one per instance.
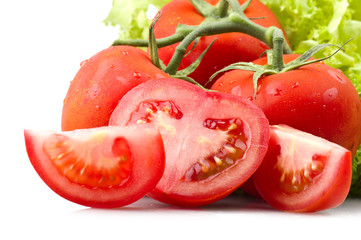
{"points": [[315, 98], [101, 82], [227, 49]]}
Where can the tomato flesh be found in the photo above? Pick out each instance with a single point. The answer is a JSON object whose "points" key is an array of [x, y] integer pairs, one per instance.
{"points": [[102, 167], [93, 169], [302, 172], [213, 141]]}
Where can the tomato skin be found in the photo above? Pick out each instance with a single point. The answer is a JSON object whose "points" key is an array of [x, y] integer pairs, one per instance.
{"points": [[146, 166], [101, 82], [228, 48], [188, 137], [315, 98], [325, 187]]}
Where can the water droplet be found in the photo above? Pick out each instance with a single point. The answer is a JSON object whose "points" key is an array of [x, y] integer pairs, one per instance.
{"points": [[259, 87], [125, 53], [236, 91], [83, 62], [97, 107], [330, 94], [111, 66], [250, 98], [295, 85], [275, 92], [338, 75], [137, 75]]}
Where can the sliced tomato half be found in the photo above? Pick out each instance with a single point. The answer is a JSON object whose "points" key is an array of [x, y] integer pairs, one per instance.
{"points": [[302, 172], [103, 167], [213, 141]]}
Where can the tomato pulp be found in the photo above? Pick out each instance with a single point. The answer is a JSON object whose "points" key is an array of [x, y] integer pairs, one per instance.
{"points": [[213, 141], [103, 167], [302, 172]]}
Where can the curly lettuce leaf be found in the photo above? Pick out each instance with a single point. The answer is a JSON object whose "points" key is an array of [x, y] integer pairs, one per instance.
{"points": [[311, 22], [130, 16]]}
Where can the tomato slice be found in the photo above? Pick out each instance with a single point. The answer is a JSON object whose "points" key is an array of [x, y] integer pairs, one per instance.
{"points": [[213, 141], [302, 172], [102, 167]]}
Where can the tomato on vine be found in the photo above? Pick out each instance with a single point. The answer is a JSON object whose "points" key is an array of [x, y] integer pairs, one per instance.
{"points": [[309, 96], [228, 48]]}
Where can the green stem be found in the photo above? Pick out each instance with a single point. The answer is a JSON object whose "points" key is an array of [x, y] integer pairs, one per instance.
{"points": [[222, 8], [277, 55], [153, 44], [203, 7], [240, 24], [236, 7]]}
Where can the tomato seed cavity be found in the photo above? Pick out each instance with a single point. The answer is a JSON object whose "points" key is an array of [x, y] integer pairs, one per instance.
{"points": [[299, 180], [97, 168], [232, 151], [146, 111]]}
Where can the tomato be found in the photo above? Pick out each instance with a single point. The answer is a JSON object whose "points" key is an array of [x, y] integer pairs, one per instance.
{"points": [[213, 141], [101, 82], [314, 98], [102, 167], [227, 49], [302, 172]]}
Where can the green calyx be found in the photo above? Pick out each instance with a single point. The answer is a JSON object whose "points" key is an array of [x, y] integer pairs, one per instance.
{"points": [[227, 16], [181, 74], [275, 63]]}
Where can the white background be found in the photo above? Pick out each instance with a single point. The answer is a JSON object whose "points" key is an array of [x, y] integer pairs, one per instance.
{"points": [[41, 46]]}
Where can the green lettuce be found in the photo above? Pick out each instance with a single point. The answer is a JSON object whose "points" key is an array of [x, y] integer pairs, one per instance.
{"points": [[306, 22], [130, 16], [311, 22]]}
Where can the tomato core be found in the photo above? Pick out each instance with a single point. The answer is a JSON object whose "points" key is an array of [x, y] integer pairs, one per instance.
{"points": [[232, 151], [94, 169]]}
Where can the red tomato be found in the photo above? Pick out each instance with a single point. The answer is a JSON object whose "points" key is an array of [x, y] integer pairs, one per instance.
{"points": [[213, 141], [229, 48], [103, 167], [302, 172], [101, 82], [315, 98]]}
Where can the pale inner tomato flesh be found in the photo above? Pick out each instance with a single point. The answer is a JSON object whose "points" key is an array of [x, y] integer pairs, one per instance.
{"points": [[295, 179], [232, 151], [146, 111], [99, 162]]}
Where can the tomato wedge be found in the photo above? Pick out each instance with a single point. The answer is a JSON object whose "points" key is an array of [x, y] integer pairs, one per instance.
{"points": [[213, 141], [102, 167], [302, 172]]}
